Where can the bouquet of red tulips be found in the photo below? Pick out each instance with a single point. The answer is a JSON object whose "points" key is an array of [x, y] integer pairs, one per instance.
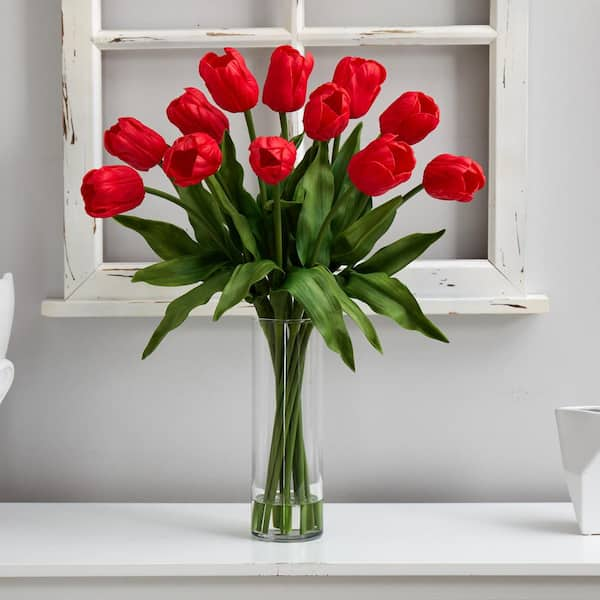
{"points": [[302, 248]]}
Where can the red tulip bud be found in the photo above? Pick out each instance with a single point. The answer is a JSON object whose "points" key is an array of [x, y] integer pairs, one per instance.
{"points": [[112, 190], [362, 79], [327, 112], [449, 177], [134, 143], [229, 81], [382, 165], [272, 158], [285, 85], [411, 117], [193, 113], [192, 158]]}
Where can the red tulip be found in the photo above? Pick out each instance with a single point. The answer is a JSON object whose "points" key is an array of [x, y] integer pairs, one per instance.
{"points": [[362, 79], [229, 81], [327, 112], [272, 158], [134, 143], [112, 190], [383, 164], [193, 113], [449, 177], [285, 85], [411, 117], [192, 158]]}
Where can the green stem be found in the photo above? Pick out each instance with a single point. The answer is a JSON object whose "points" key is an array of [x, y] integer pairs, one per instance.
{"points": [[277, 225], [250, 124], [218, 191], [295, 403], [336, 148], [288, 386], [413, 192], [165, 196], [276, 470], [284, 125]]}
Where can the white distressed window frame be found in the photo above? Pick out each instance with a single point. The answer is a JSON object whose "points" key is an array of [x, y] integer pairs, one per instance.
{"points": [[493, 285]]}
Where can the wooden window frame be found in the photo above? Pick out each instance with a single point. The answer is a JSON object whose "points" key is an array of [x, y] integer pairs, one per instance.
{"points": [[497, 284]]}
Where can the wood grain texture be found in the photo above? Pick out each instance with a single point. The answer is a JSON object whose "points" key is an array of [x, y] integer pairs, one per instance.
{"points": [[82, 124]]}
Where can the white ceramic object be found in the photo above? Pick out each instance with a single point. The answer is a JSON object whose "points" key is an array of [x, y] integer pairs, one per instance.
{"points": [[579, 434], [7, 307]]}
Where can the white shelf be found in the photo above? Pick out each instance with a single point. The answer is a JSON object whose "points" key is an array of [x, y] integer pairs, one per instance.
{"points": [[138, 540], [530, 304]]}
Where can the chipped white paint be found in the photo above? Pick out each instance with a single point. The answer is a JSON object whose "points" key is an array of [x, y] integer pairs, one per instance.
{"points": [[157, 39], [409, 36], [492, 286], [449, 288], [447, 279], [531, 304], [82, 122], [508, 139]]}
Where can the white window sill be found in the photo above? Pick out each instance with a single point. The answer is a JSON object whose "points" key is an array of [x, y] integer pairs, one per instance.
{"points": [[530, 304]]}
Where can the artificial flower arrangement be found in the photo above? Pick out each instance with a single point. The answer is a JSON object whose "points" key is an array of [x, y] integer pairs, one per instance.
{"points": [[301, 251]]}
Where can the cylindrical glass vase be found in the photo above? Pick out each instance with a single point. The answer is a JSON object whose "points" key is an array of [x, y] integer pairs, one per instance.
{"points": [[287, 486]]}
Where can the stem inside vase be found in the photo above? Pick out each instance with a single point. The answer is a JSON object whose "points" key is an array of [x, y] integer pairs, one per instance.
{"points": [[287, 497]]}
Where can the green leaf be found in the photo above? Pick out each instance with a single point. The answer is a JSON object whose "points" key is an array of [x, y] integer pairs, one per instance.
{"points": [[239, 221], [238, 286], [315, 191], [396, 256], [284, 204], [183, 270], [297, 139], [207, 220], [167, 240], [232, 173], [290, 184], [179, 309], [353, 204], [359, 238], [231, 177], [388, 297], [330, 285], [323, 309], [340, 165], [366, 207]]}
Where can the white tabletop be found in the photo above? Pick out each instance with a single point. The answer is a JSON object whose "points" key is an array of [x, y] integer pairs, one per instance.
{"points": [[84, 540]]}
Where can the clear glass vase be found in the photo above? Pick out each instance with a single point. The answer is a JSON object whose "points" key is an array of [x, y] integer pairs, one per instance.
{"points": [[287, 487]]}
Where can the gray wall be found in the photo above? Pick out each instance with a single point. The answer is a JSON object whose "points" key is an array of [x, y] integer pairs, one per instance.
{"points": [[87, 420]]}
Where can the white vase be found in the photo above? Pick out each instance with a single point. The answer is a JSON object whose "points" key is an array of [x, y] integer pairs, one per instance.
{"points": [[579, 434], [7, 307]]}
